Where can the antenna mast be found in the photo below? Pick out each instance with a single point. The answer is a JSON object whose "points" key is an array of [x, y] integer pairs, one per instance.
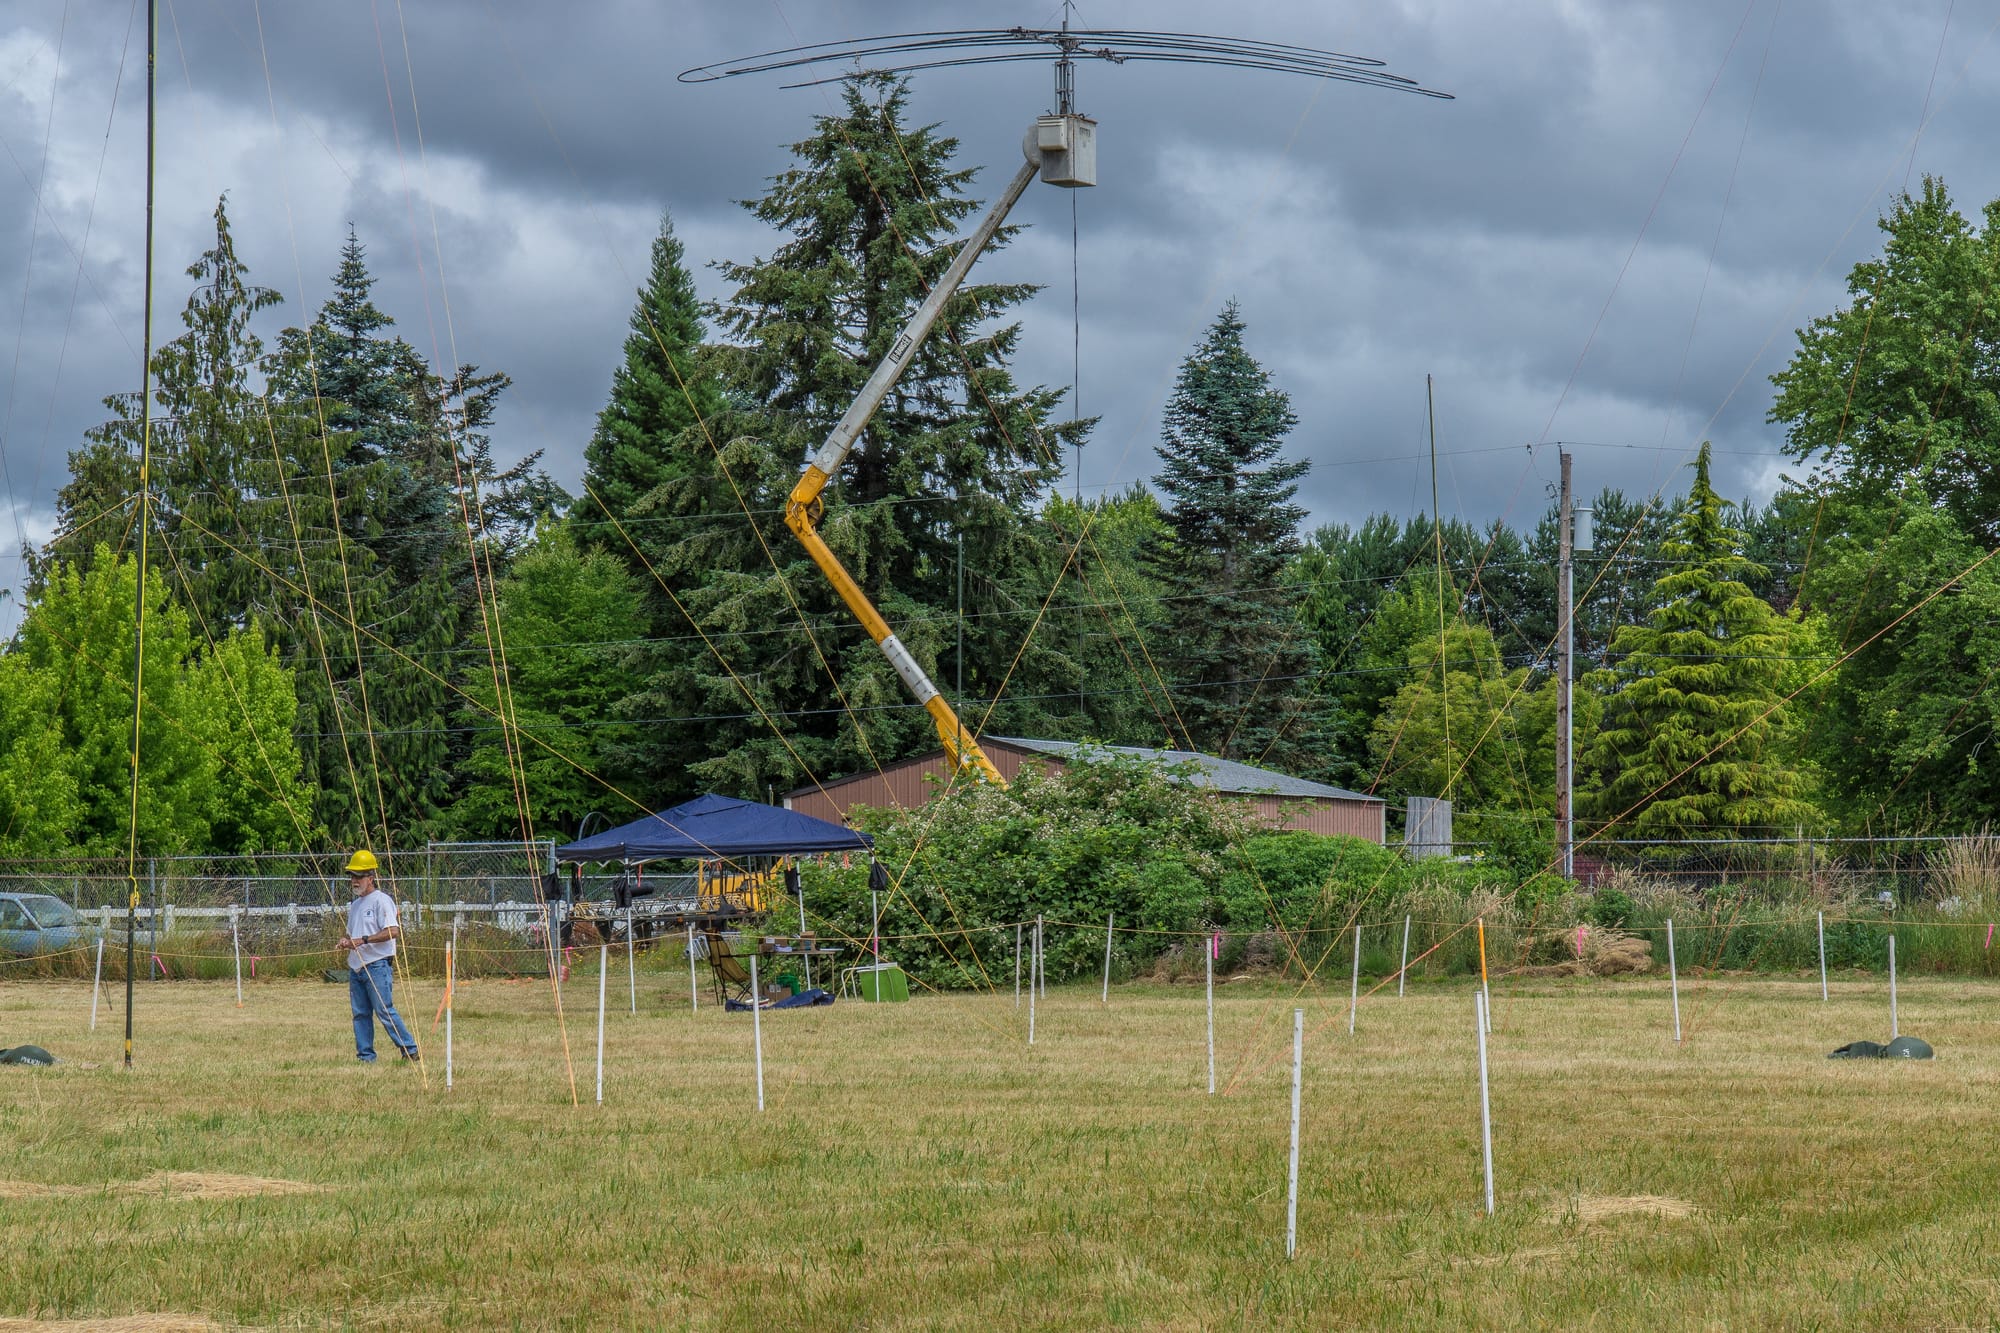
{"points": [[1062, 149]]}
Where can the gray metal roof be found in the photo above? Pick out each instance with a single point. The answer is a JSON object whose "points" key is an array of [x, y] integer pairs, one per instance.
{"points": [[1224, 775]]}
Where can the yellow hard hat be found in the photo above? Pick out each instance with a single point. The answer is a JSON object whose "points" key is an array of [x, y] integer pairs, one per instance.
{"points": [[361, 863]]}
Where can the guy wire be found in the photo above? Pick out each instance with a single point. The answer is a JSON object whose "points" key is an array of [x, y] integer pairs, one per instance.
{"points": [[143, 518]]}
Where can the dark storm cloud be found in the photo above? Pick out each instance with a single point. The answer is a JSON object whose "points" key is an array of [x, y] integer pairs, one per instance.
{"points": [[1370, 237]]}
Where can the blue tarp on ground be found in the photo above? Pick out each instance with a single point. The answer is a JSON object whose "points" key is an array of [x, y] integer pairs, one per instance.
{"points": [[711, 827]]}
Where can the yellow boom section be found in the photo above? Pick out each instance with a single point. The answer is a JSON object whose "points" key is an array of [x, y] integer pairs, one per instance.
{"points": [[958, 742], [803, 510]]}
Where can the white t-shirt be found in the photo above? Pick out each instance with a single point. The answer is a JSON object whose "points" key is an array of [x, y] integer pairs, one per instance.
{"points": [[368, 915]]}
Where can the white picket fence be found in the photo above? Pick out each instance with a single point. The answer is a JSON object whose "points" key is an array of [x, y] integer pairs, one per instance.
{"points": [[509, 916]]}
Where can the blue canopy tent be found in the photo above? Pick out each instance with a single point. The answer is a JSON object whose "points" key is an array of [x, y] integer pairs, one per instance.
{"points": [[711, 828], [743, 841]]}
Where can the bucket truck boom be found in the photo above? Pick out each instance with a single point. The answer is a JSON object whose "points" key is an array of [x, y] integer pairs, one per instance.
{"points": [[1062, 148]]}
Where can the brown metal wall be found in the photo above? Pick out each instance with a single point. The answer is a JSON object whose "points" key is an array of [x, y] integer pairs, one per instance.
{"points": [[902, 785], [910, 784], [1360, 819]]}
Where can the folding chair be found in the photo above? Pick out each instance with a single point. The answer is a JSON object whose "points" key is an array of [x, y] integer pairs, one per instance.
{"points": [[732, 979]]}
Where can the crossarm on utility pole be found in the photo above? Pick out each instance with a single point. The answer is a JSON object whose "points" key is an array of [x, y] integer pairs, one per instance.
{"points": [[802, 511]]}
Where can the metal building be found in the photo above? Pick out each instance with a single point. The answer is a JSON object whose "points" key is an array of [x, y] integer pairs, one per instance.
{"points": [[1278, 799]]}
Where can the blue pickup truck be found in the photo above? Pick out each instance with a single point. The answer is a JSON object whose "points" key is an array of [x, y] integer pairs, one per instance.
{"points": [[35, 923]]}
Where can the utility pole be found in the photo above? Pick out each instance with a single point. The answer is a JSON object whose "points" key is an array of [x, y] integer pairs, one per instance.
{"points": [[1565, 675], [1573, 527]]}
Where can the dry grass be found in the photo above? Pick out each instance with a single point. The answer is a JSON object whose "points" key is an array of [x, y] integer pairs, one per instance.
{"points": [[166, 1185], [921, 1167], [131, 1323]]}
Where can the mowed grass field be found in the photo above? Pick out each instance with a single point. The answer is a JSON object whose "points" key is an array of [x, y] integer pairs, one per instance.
{"points": [[921, 1167]]}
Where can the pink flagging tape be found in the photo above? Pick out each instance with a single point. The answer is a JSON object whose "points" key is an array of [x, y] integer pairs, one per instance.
{"points": [[1989, 934], [1579, 941], [1215, 945]]}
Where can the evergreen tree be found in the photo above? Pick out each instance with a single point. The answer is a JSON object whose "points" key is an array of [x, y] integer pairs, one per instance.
{"points": [[868, 216], [1694, 739], [1233, 651], [653, 432]]}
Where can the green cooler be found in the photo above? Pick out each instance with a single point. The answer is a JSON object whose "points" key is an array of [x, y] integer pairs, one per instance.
{"points": [[882, 984]]}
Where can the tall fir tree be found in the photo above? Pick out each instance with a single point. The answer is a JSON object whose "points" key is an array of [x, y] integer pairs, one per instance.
{"points": [[1237, 660], [428, 522], [1695, 738], [868, 216], [653, 431]]}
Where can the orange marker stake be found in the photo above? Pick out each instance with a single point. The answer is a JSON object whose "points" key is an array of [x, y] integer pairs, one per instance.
{"points": [[1484, 988]]}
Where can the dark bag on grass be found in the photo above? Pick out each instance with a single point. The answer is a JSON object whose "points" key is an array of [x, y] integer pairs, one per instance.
{"points": [[1902, 1048], [26, 1055]]}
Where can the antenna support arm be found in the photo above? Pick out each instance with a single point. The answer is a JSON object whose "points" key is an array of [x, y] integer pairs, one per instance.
{"points": [[826, 462], [803, 510]]}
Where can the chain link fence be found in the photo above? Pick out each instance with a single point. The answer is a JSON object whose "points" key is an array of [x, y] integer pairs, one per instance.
{"points": [[1907, 869], [501, 882]]}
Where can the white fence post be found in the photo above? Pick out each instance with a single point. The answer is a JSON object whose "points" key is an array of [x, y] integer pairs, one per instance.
{"points": [[1034, 962], [1208, 959], [1674, 978], [1403, 970], [450, 986], [694, 996], [1894, 1032], [1822, 957], [97, 983], [1354, 992], [757, 1024], [1292, 1173], [1485, 1102], [603, 971], [236, 951], [1106, 998], [631, 969]]}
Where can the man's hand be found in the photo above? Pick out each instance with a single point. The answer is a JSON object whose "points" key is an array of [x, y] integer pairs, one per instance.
{"points": [[346, 943]]}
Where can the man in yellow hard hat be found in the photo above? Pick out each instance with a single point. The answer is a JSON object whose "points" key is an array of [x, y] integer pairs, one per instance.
{"points": [[370, 941]]}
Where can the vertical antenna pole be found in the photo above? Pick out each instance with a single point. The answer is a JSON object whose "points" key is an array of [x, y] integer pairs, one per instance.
{"points": [[144, 519], [1565, 676], [631, 969], [694, 995], [1017, 965], [1437, 533]]}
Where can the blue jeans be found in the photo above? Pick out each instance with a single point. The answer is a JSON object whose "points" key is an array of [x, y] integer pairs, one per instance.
{"points": [[371, 994]]}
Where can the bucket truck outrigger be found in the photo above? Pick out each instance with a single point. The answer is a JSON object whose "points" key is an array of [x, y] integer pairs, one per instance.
{"points": [[1062, 148]]}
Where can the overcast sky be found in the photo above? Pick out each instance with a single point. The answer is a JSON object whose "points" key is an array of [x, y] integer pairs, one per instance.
{"points": [[508, 177]]}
